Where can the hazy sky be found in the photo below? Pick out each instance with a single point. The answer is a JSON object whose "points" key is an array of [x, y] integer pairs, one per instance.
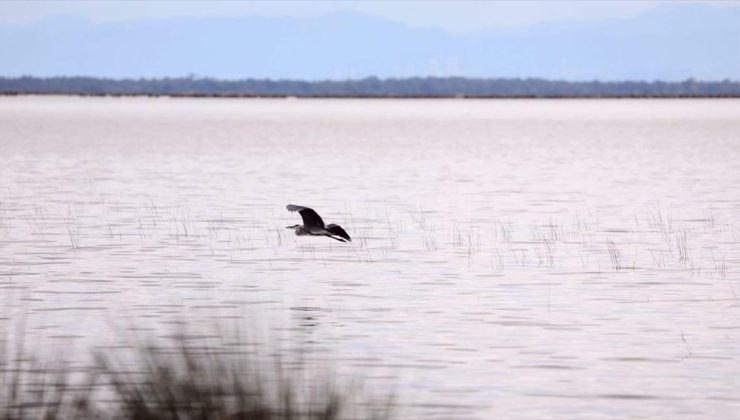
{"points": [[457, 16]]}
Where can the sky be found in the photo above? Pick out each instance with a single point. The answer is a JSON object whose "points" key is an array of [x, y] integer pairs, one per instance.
{"points": [[455, 17], [314, 40]]}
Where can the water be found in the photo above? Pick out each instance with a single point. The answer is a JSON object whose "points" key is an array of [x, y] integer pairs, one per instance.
{"points": [[512, 258]]}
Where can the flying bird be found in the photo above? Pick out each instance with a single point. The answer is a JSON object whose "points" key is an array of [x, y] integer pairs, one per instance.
{"points": [[313, 225]]}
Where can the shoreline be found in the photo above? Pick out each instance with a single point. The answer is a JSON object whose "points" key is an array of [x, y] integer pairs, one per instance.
{"points": [[235, 95]]}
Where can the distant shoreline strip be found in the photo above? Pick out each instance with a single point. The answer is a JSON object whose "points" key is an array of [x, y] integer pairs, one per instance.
{"points": [[371, 87], [378, 96]]}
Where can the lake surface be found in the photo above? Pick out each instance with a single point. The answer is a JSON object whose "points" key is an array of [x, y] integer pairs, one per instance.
{"points": [[510, 258]]}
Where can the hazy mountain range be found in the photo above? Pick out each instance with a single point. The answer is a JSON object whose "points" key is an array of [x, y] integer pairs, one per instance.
{"points": [[670, 42]]}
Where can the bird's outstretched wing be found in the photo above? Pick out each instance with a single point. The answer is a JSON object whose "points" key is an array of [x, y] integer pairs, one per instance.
{"points": [[311, 219], [338, 231]]}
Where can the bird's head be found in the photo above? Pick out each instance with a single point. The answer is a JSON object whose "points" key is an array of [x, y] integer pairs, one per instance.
{"points": [[292, 227]]}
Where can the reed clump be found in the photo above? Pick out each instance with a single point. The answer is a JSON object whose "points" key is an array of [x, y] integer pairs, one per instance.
{"points": [[179, 381], [615, 255]]}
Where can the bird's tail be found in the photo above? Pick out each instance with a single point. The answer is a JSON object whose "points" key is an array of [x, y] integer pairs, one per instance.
{"points": [[338, 231]]}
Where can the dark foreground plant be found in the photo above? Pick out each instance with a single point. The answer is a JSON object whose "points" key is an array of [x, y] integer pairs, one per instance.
{"points": [[33, 389], [183, 381]]}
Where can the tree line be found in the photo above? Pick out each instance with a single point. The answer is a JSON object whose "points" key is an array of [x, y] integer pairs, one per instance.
{"points": [[371, 86]]}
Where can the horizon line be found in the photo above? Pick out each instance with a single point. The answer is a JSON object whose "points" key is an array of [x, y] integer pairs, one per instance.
{"points": [[196, 77]]}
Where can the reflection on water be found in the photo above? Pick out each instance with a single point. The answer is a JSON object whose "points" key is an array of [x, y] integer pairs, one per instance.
{"points": [[513, 258]]}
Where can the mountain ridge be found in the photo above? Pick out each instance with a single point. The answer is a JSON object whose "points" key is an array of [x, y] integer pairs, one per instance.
{"points": [[668, 43]]}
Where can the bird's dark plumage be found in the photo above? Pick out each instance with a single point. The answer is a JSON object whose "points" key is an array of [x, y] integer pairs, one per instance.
{"points": [[314, 225], [338, 231], [309, 216]]}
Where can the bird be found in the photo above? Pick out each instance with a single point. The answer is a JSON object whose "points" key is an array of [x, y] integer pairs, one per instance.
{"points": [[313, 225]]}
